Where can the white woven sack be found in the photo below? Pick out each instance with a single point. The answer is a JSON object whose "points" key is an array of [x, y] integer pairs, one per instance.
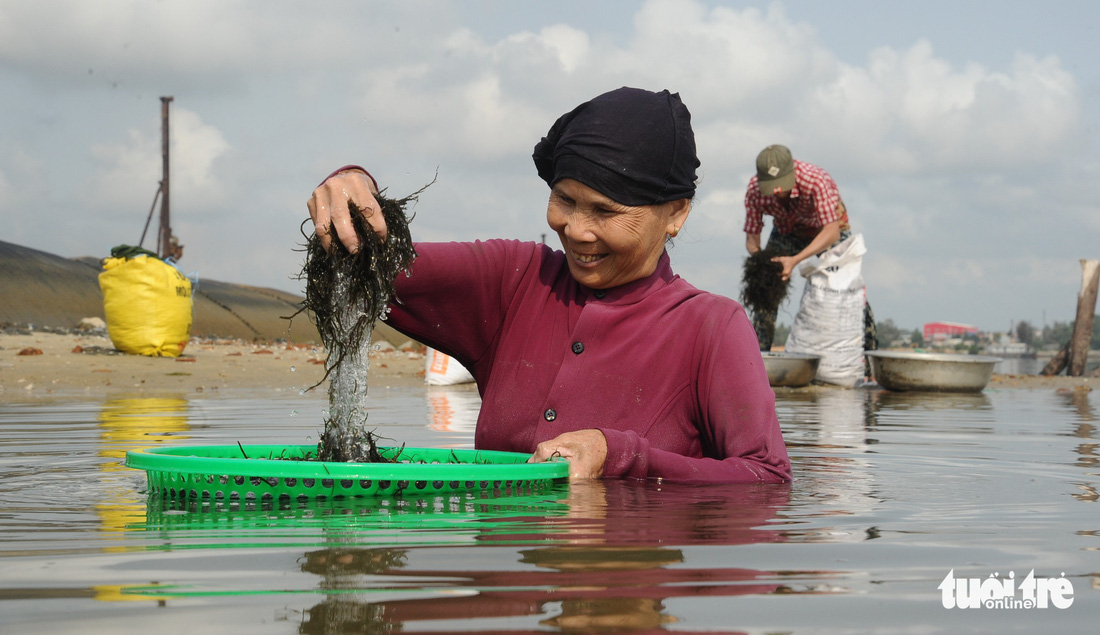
{"points": [[441, 369], [829, 321]]}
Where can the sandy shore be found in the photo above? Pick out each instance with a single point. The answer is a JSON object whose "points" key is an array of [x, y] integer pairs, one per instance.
{"points": [[42, 365], [65, 365]]}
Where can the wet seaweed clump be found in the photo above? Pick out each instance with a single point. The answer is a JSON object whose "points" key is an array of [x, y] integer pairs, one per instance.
{"points": [[345, 294], [762, 287]]}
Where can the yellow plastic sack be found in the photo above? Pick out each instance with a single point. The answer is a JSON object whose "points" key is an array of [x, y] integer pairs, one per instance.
{"points": [[147, 303]]}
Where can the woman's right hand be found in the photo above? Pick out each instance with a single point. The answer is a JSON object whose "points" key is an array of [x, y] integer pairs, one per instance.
{"points": [[329, 205]]}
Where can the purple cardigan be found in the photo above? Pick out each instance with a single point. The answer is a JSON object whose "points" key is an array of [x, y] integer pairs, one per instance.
{"points": [[671, 375]]}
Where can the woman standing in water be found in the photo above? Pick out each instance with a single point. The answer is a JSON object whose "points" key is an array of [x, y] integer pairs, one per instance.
{"points": [[598, 353]]}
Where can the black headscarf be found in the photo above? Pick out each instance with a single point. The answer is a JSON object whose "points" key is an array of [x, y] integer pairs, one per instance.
{"points": [[632, 145]]}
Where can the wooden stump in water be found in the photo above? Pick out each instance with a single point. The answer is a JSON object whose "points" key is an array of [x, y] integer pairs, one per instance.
{"points": [[1075, 354], [1057, 363], [1082, 325]]}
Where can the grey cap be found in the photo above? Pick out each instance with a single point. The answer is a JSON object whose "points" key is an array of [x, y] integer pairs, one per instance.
{"points": [[775, 170]]}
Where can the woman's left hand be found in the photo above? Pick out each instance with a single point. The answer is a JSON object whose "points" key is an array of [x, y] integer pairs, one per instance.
{"points": [[586, 451]]}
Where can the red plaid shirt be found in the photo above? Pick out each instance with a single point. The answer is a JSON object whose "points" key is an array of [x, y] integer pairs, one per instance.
{"points": [[815, 202]]}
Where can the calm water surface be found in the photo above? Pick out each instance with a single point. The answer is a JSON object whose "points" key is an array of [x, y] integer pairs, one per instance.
{"points": [[892, 492]]}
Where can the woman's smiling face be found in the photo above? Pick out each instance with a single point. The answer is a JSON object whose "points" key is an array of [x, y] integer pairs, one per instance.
{"points": [[608, 244]]}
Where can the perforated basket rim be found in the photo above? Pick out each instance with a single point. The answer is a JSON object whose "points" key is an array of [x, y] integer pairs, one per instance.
{"points": [[475, 465]]}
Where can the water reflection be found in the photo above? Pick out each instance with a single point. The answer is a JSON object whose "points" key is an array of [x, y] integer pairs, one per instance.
{"points": [[1077, 398], [838, 419], [1084, 428], [892, 491], [129, 423], [453, 409], [930, 401], [1030, 365], [439, 519], [603, 565], [828, 436]]}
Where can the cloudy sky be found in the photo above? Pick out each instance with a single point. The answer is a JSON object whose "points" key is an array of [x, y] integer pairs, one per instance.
{"points": [[963, 135]]}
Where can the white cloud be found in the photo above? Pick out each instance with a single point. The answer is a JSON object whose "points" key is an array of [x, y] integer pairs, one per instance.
{"points": [[560, 44], [495, 123], [912, 112], [207, 42], [948, 165], [125, 164], [198, 146], [131, 168], [884, 271], [116, 35]]}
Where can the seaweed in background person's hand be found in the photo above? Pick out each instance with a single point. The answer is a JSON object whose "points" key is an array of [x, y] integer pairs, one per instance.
{"points": [[762, 288]]}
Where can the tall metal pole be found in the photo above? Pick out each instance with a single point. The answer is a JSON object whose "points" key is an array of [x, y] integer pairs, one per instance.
{"points": [[164, 247]]}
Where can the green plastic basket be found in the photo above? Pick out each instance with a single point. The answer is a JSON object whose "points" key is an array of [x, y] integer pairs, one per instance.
{"points": [[268, 473]]}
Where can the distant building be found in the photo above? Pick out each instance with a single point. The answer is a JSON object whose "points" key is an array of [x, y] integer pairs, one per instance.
{"points": [[940, 331], [1010, 348]]}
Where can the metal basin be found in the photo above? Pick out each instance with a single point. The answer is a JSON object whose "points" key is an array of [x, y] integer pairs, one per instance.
{"points": [[790, 369], [935, 372]]}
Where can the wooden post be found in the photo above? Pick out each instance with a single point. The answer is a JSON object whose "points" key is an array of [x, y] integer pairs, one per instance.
{"points": [[1057, 363], [1082, 325]]}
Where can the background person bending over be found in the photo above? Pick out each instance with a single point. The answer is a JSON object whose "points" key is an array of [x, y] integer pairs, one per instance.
{"points": [[808, 217], [598, 352]]}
